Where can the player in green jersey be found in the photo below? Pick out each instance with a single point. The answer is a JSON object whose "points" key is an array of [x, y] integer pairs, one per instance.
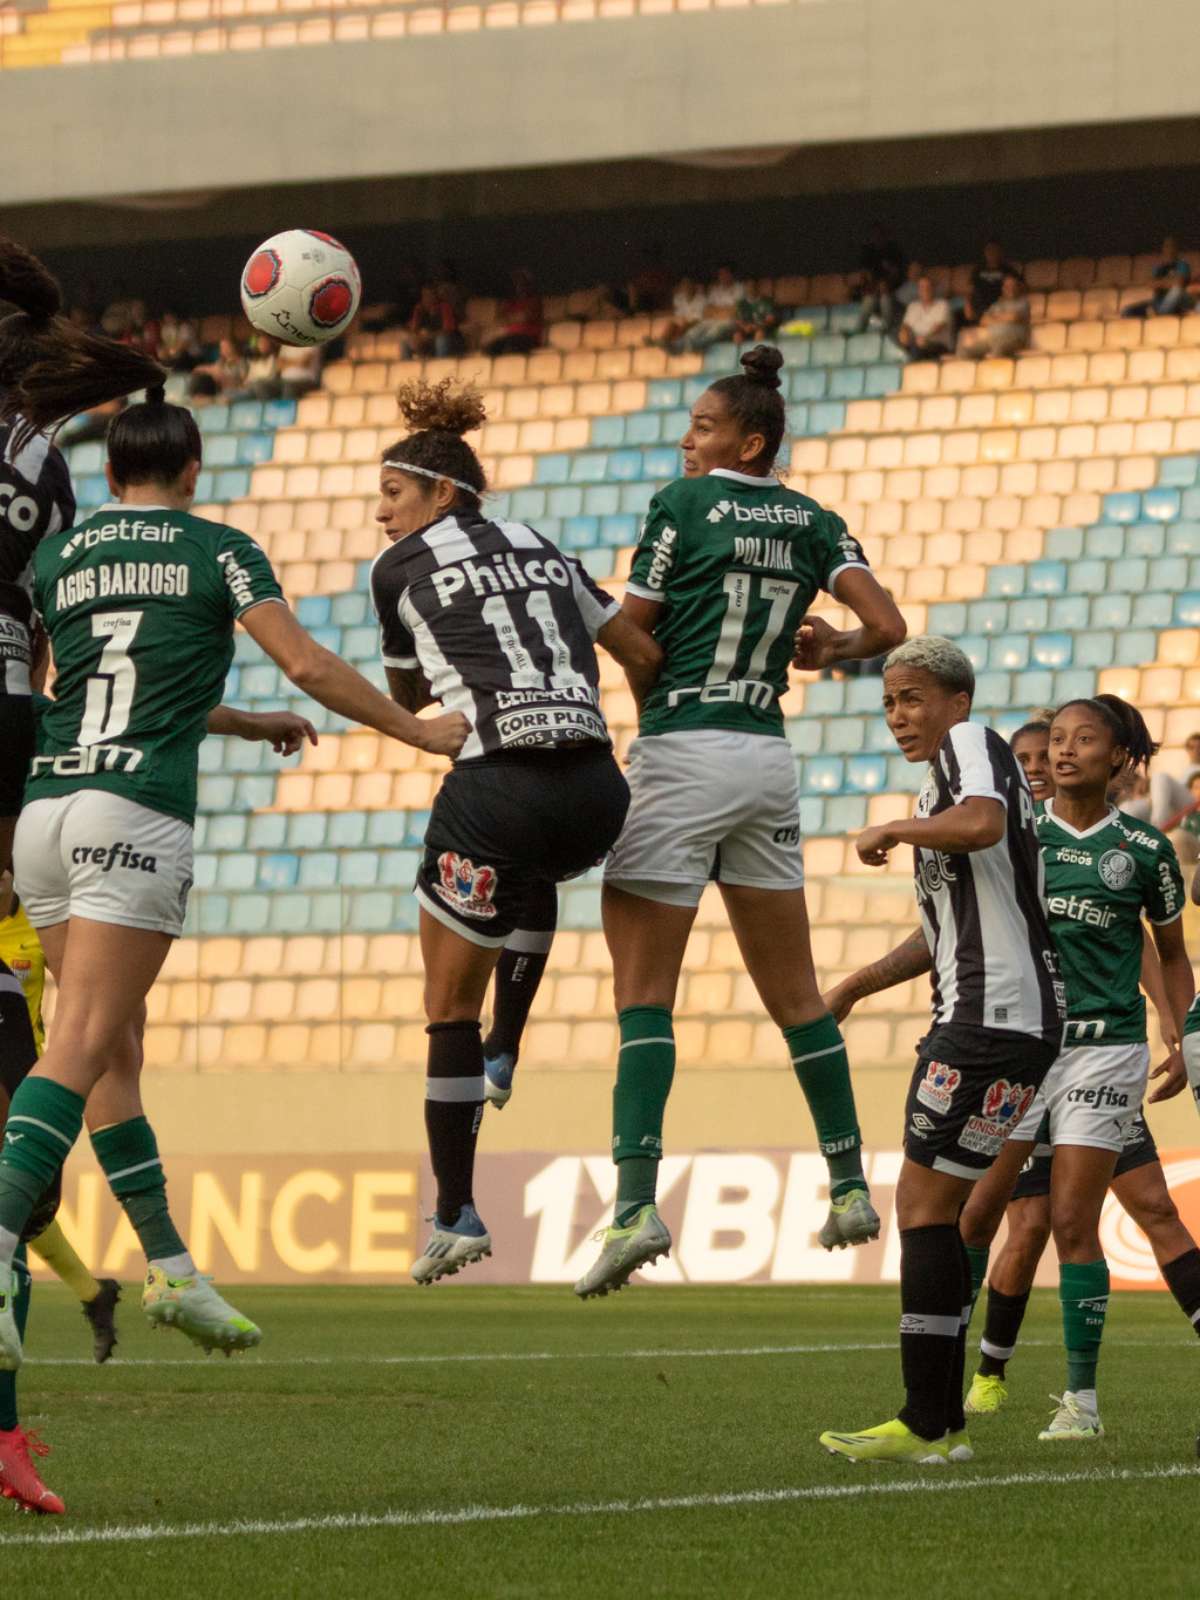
{"points": [[1139, 1184], [729, 562], [140, 603]]}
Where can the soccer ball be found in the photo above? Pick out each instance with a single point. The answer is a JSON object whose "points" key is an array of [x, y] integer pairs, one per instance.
{"points": [[301, 286]]}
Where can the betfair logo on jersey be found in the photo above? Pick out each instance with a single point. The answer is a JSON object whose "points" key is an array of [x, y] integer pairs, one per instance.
{"points": [[1080, 909], [779, 515], [117, 854], [122, 532], [503, 572]]}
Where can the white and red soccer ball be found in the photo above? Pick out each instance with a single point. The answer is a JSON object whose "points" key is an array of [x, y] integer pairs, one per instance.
{"points": [[301, 287]]}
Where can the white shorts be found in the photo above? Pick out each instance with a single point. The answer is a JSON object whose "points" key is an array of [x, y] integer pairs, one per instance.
{"points": [[708, 805], [97, 855], [1093, 1093]]}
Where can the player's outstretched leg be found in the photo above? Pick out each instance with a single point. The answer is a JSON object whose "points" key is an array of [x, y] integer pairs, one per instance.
{"points": [[97, 1296], [822, 1069], [453, 1111], [515, 984], [175, 1295], [19, 1479], [645, 1070]]}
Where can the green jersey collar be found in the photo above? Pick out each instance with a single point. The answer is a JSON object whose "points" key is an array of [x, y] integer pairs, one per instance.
{"points": [[1106, 821], [745, 478], [119, 505]]}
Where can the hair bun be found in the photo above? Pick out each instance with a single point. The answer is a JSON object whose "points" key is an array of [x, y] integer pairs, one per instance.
{"points": [[762, 364], [156, 395], [445, 407]]}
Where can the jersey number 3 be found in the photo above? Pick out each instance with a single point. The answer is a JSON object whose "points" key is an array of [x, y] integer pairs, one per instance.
{"points": [[110, 689]]}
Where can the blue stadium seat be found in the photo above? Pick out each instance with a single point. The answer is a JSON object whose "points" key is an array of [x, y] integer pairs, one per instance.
{"points": [[866, 774], [797, 421], [601, 499], [1178, 472], [846, 813], [721, 357], [879, 738], [663, 394], [87, 457], [828, 350], [1052, 650], [580, 533], [566, 501], [1123, 506], [221, 450], [635, 497], [976, 647], [1009, 652], [824, 774], [1127, 576], [1028, 614], [844, 735], [824, 697], [987, 616], [306, 830], [206, 488], [865, 694], [261, 681], [360, 644], [279, 413], [233, 484], [643, 427], [1073, 685], [826, 417], [1064, 544], [215, 792], [318, 869], [204, 869], [527, 504], [1183, 538], [693, 388], [552, 469], [1106, 540], [314, 610], [398, 868], [1135, 647], [226, 831], [805, 734], [1047, 577], [255, 448], [808, 384], [1153, 611], [211, 913], [347, 829], [249, 913], [1088, 577], [1161, 505], [846, 319], [1005, 581], [812, 817], [278, 871], [662, 463], [213, 419], [371, 910], [864, 348], [676, 424], [1146, 538], [359, 869], [1111, 611], [608, 433], [623, 465], [1095, 648], [619, 529], [267, 831], [418, 822], [992, 689], [598, 564], [256, 791], [883, 378], [847, 383], [246, 414], [386, 830], [948, 618]]}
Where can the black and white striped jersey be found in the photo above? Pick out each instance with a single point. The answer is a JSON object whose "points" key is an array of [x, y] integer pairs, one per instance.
{"points": [[984, 913], [36, 499], [502, 624]]}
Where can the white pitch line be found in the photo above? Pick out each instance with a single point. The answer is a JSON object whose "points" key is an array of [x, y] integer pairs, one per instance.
{"points": [[470, 1358], [362, 1522]]}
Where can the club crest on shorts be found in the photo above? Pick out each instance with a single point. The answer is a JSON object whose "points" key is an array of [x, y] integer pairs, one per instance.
{"points": [[1004, 1104], [936, 1088], [466, 887], [1116, 869]]}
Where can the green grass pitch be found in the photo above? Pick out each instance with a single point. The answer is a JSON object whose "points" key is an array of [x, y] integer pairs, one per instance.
{"points": [[660, 1443]]}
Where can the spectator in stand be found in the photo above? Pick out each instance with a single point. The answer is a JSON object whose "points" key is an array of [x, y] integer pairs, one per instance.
{"points": [[719, 318], [299, 369], [1004, 327], [1172, 278], [687, 308], [521, 320], [202, 388], [228, 371], [179, 343], [756, 315], [881, 265], [987, 281], [433, 327], [1183, 829], [262, 368], [927, 331], [649, 289], [1168, 793], [907, 292], [450, 289]]}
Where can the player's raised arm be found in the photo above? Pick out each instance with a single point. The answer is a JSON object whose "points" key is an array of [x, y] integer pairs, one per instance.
{"points": [[881, 627], [337, 686], [633, 647], [284, 731]]}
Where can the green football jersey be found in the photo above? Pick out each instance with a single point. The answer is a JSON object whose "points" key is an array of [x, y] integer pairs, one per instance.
{"points": [[139, 603], [1099, 884], [736, 562]]}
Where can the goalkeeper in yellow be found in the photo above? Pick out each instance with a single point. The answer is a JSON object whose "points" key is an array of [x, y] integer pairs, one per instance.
{"points": [[22, 954]]}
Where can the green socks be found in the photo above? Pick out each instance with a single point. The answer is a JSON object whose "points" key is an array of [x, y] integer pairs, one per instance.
{"points": [[1083, 1291], [819, 1057], [43, 1123], [128, 1152], [8, 1380], [645, 1069], [977, 1260]]}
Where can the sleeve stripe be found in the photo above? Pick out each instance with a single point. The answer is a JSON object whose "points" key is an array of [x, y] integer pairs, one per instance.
{"points": [[263, 600], [846, 566], [405, 663], [643, 593]]}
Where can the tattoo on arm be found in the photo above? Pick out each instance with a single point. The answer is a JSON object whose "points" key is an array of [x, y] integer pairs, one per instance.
{"points": [[907, 960]]}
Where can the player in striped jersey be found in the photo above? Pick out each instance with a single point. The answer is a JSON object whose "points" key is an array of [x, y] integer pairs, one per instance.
{"points": [[1138, 1182], [729, 563], [997, 1021], [492, 620]]}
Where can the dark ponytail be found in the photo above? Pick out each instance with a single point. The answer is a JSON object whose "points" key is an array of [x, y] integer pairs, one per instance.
{"points": [[49, 369], [1128, 729], [152, 442], [754, 399]]}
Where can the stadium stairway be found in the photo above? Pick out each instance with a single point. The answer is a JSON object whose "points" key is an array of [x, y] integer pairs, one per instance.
{"points": [[1045, 511]]}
